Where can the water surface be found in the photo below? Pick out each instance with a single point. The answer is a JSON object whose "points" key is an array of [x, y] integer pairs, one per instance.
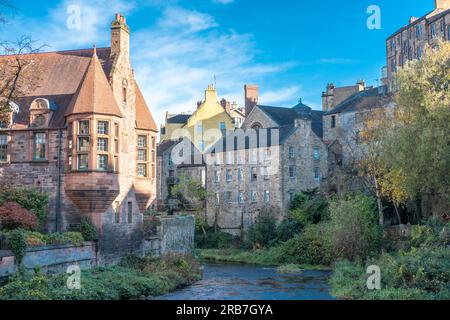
{"points": [[243, 282]]}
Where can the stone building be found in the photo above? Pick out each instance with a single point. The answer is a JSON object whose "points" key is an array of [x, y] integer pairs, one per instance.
{"points": [[333, 95], [342, 126], [408, 42], [205, 126], [85, 135], [278, 154], [176, 159], [236, 113]]}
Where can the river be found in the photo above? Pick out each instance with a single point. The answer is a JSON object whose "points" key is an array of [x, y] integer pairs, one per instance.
{"points": [[243, 282]]}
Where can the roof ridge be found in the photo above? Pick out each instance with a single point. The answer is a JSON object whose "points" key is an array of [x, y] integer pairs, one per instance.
{"points": [[52, 52]]}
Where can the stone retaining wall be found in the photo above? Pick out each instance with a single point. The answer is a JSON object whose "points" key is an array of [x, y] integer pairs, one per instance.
{"points": [[169, 234], [51, 259]]}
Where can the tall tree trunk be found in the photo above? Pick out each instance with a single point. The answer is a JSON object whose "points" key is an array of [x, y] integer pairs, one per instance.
{"points": [[379, 203], [398, 214]]}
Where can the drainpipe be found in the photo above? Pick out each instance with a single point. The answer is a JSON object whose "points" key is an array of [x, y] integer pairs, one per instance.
{"points": [[59, 182]]}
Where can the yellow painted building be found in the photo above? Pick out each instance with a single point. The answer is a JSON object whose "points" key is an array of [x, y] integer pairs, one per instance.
{"points": [[204, 127]]}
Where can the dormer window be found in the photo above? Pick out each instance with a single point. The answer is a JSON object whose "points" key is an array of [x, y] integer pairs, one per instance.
{"points": [[40, 113]]}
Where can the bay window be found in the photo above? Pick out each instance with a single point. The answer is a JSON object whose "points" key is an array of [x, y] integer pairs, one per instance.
{"points": [[102, 162], [142, 156], [83, 162]]}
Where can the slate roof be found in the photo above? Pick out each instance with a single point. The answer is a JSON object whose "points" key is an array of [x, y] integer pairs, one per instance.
{"points": [[59, 79], [263, 139], [364, 100], [287, 116], [167, 145], [179, 119]]}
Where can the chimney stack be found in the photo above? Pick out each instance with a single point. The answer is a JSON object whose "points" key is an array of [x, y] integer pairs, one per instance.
{"points": [[120, 37], [251, 97], [361, 85], [211, 93], [442, 4]]}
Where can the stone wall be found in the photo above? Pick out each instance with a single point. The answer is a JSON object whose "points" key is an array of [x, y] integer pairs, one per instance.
{"points": [[50, 259], [169, 234]]}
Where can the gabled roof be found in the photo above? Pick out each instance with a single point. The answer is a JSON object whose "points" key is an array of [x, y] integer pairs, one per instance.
{"points": [[144, 119], [94, 94], [363, 100]]}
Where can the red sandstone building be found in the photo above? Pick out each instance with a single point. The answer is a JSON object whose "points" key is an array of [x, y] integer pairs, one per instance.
{"points": [[84, 134]]}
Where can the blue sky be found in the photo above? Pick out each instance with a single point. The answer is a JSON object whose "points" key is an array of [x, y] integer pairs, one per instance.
{"points": [[290, 48]]}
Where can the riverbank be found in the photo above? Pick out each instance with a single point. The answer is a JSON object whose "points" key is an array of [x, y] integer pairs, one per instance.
{"points": [[266, 257], [134, 278]]}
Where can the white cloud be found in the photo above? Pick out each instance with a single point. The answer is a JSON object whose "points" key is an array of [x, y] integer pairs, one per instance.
{"points": [[95, 18], [280, 96], [174, 57], [179, 18]]}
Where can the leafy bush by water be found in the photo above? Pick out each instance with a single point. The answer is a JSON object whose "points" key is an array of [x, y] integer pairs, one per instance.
{"points": [[420, 272]]}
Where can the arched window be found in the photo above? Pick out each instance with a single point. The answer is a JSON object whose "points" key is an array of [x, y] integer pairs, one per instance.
{"points": [[256, 126]]}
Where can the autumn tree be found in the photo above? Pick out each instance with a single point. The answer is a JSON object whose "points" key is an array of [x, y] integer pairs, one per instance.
{"points": [[416, 149], [191, 195], [17, 75]]}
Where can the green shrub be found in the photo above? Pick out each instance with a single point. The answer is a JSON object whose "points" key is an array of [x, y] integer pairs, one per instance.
{"points": [[354, 231], [133, 278], [422, 273], [309, 207], [18, 244], [308, 247], [35, 239], [213, 239], [30, 199], [263, 231], [88, 230], [66, 238], [286, 230]]}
